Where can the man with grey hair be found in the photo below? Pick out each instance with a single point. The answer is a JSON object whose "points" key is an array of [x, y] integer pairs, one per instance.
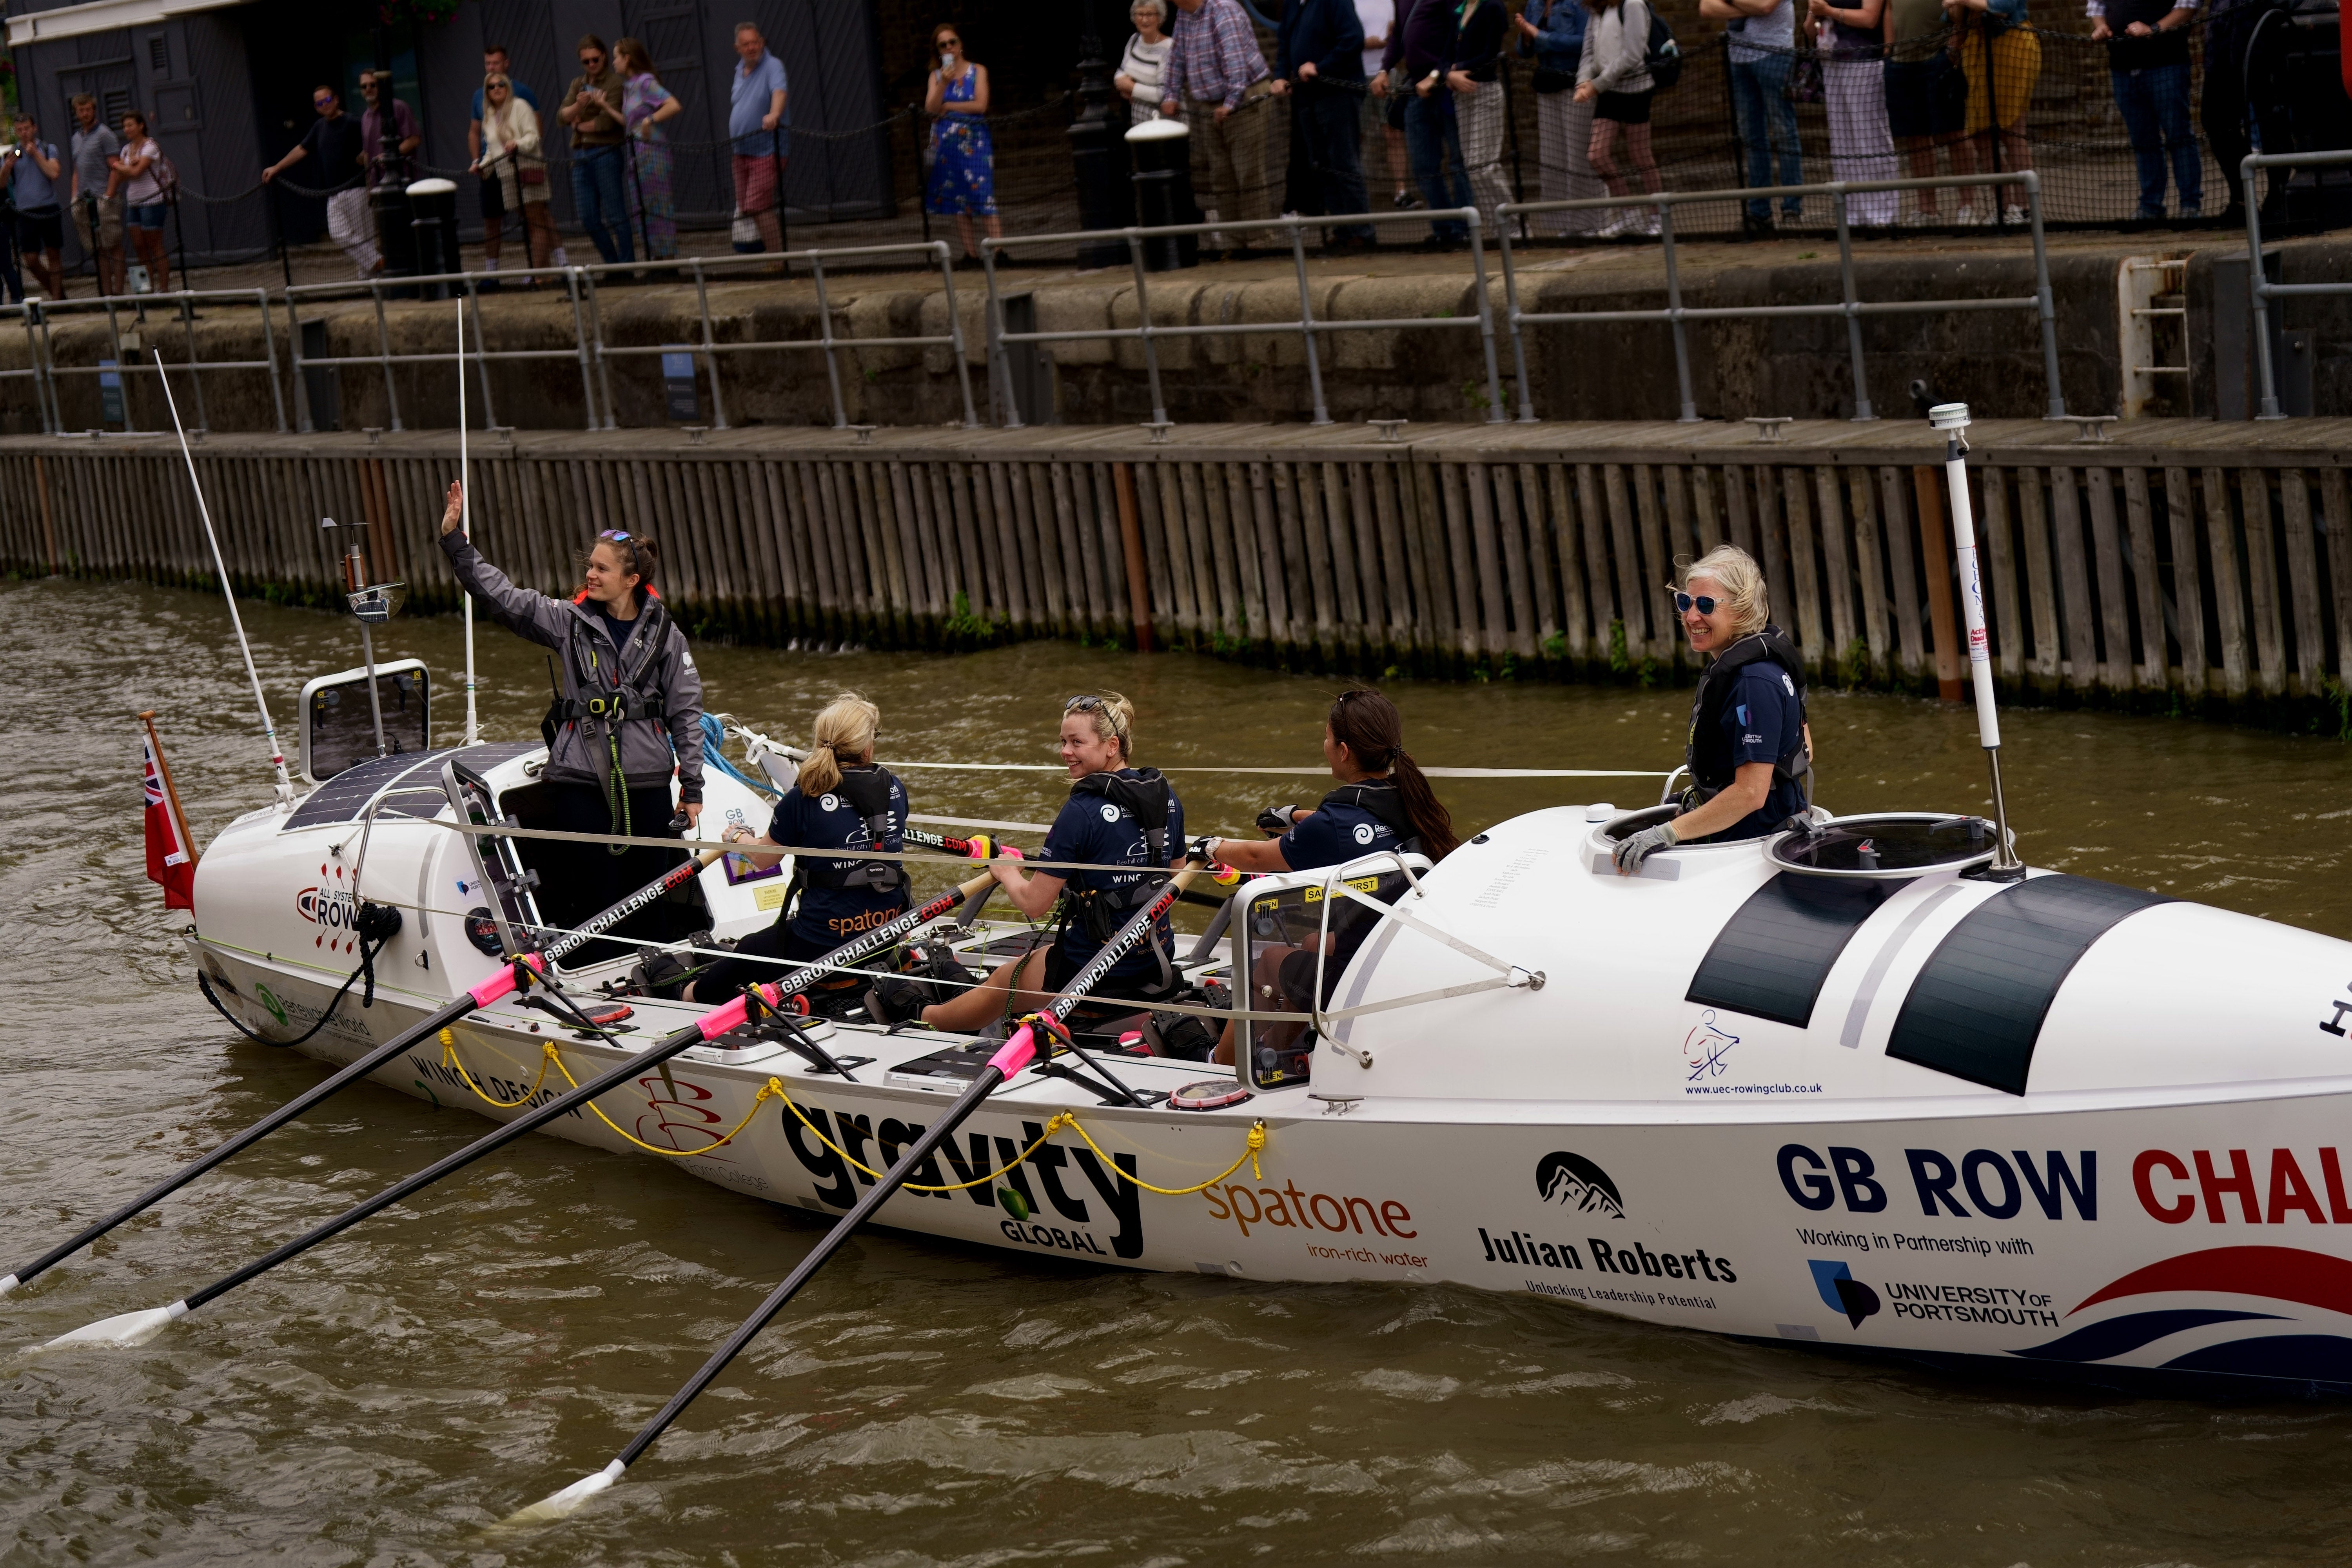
{"points": [[761, 133]]}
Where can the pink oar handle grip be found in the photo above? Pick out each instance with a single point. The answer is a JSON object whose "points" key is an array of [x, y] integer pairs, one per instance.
{"points": [[1017, 1053], [502, 984], [732, 1014]]}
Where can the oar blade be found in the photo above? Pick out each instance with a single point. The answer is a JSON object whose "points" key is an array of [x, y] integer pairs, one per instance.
{"points": [[548, 1509], [9, 1284], [122, 1331]]}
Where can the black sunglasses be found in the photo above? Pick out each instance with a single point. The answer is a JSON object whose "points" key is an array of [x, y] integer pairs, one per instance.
{"points": [[1706, 603]]}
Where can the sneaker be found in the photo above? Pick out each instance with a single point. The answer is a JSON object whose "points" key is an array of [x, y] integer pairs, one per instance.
{"points": [[1648, 225], [1407, 202], [1614, 226], [1920, 219], [1755, 226], [1969, 217]]}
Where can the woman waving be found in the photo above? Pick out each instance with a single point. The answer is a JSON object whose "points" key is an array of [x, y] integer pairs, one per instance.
{"points": [[627, 716]]}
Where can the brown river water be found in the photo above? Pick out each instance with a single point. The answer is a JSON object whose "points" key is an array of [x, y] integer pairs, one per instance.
{"points": [[385, 1398]]}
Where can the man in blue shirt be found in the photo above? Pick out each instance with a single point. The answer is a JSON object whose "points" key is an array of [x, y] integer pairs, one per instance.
{"points": [[32, 172], [761, 133]]}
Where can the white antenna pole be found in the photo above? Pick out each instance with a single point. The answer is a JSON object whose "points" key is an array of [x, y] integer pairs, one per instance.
{"points": [[269, 730], [1952, 418], [465, 524]]}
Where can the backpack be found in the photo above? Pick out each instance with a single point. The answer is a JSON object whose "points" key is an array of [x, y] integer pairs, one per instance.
{"points": [[167, 174], [1664, 60]]}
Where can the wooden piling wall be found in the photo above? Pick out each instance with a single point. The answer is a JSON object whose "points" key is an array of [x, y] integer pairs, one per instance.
{"points": [[2192, 565]]}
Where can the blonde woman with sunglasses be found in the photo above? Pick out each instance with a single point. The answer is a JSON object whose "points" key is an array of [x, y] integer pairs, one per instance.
{"points": [[1118, 814], [1750, 750], [627, 716]]}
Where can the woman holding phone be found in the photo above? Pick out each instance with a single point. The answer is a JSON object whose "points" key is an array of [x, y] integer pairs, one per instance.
{"points": [[962, 184]]}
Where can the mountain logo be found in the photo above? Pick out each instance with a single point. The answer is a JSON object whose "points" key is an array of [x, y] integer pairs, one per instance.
{"points": [[1842, 1293], [1573, 1181]]}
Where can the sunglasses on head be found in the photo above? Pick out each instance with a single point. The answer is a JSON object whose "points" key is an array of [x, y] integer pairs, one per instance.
{"points": [[619, 536], [1082, 705], [1706, 603]]}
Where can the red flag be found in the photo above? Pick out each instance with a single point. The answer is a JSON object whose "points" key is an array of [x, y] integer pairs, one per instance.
{"points": [[171, 865]]}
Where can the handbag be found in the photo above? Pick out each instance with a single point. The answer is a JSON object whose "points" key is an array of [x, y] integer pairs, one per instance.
{"points": [[531, 177], [1804, 83], [1549, 81]]}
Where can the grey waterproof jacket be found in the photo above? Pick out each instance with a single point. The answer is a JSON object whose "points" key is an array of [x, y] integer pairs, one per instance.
{"points": [[654, 667]]}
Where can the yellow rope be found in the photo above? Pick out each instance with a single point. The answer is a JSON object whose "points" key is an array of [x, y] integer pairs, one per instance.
{"points": [[771, 1087], [1250, 1154], [1063, 1119], [1060, 1119], [449, 1058]]}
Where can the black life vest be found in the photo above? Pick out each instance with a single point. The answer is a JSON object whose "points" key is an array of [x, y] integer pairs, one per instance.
{"points": [[1708, 753], [1145, 798], [1383, 801], [867, 790]]}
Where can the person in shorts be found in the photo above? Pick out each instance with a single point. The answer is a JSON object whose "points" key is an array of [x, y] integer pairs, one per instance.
{"points": [[761, 128], [1927, 101], [96, 193], [145, 203], [31, 171]]}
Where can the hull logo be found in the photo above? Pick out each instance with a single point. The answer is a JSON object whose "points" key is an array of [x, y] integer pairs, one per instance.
{"points": [[1842, 1293], [1573, 1181]]}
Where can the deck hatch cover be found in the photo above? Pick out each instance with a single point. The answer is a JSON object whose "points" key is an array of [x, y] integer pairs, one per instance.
{"points": [[345, 796], [1977, 1008], [1772, 956]]}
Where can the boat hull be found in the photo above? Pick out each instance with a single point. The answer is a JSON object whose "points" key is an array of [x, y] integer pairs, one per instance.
{"points": [[2199, 1246]]}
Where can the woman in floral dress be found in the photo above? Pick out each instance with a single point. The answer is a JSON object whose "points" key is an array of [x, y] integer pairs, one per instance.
{"points": [[644, 105], [962, 182]]}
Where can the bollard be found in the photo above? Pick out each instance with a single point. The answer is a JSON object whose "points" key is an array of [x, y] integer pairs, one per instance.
{"points": [[1161, 150]]}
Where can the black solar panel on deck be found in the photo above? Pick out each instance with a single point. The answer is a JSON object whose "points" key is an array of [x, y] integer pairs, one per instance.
{"points": [[1975, 1010], [345, 796], [1772, 955]]}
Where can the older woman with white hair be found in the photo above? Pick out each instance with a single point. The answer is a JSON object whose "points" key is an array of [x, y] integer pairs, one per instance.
{"points": [[1145, 65], [1749, 749]]}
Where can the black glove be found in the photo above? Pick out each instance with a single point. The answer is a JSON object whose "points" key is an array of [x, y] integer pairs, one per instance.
{"points": [[1275, 820], [1201, 850]]}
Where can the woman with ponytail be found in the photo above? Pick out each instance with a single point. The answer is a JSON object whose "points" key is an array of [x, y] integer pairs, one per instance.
{"points": [[1383, 802], [840, 797]]}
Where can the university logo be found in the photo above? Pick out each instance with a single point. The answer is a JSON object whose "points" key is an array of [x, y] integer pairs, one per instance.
{"points": [[1573, 1181], [1842, 1293]]}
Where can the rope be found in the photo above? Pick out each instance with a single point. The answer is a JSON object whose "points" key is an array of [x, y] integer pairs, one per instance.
{"points": [[449, 1058], [773, 1087], [1061, 1120]]}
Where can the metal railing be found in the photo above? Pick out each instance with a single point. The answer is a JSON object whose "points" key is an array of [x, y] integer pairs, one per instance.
{"points": [[1849, 305], [1306, 326], [710, 349], [384, 358], [44, 371], [2260, 291]]}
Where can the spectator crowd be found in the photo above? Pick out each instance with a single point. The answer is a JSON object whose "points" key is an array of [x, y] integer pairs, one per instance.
{"points": [[1405, 94]]}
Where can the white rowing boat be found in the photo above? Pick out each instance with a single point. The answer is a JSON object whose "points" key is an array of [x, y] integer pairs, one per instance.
{"points": [[1843, 1088]]}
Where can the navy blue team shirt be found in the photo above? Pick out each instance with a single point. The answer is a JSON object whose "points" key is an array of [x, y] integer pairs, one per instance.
{"points": [[1335, 834], [1092, 828], [831, 916], [1763, 722]]}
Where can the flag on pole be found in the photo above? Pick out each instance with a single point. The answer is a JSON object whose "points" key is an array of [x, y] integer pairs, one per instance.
{"points": [[170, 863]]}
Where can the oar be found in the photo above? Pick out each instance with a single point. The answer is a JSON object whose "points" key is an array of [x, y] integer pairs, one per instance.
{"points": [[1016, 1053], [498, 984], [137, 1328]]}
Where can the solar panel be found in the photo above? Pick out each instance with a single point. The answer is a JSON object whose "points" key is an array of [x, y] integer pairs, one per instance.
{"points": [[345, 797]]}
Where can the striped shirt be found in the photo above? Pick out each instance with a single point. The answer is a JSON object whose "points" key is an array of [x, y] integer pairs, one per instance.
{"points": [[1216, 54]]}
